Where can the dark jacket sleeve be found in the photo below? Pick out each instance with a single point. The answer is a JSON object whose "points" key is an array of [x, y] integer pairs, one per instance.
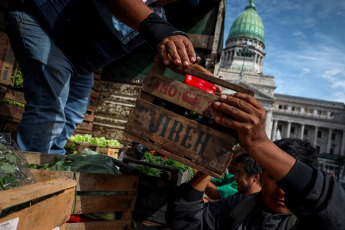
{"points": [[314, 197], [188, 211]]}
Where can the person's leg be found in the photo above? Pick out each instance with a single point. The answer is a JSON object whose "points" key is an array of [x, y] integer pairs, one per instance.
{"points": [[77, 104], [47, 73]]}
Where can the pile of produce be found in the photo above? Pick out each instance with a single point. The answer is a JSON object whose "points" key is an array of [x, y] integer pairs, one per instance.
{"points": [[100, 141], [13, 172], [152, 157]]}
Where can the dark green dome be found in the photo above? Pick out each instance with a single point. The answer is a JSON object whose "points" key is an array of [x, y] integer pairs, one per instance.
{"points": [[248, 24]]}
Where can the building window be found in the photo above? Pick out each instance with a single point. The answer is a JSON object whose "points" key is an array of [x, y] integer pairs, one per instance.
{"points": [[280, 107], [319, 134], [293, 108], [319, 112], [331, 151], [285, 107], [292, 129], [305, 132], [333, 136], [324, 113], [332, 114], [310, 111], [318, 149], [298, 109]]}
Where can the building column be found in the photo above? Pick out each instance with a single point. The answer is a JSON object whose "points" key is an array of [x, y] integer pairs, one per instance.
{"points": [[329, 141], [288, 129], [342, 149], [315, 135], [302, 132], [274, 130]]}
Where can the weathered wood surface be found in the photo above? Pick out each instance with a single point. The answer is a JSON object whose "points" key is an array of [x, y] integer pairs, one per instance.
{"points": [[30, 192], [123, 200], [53, 207], [202, 146], [181, 94], [180, 136]]}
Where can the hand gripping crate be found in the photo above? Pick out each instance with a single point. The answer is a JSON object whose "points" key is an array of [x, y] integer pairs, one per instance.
{"points": [[121, 201], [202, 146], [40, 206]]}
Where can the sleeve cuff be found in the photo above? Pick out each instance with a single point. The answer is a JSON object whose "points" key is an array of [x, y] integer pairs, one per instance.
{"points": [[192, 194], [298, 179]]}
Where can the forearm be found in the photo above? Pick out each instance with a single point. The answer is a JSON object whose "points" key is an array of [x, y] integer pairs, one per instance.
{"points": [[212, 191], [200, 181], [130, 12], [272, 159]]}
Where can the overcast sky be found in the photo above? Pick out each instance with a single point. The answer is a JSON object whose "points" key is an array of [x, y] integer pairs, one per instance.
{"points": [[305, 45]]}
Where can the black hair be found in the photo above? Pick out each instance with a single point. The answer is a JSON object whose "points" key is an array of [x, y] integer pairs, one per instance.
{"points": [[300, 149], [250, 166]]}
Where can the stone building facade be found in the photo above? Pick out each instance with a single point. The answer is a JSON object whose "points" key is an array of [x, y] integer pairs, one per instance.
{"points": [[318, 121]]}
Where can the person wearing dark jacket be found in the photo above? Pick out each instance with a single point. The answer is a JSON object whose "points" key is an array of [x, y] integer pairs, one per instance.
{"points": [[295, 194], [59, 43]]}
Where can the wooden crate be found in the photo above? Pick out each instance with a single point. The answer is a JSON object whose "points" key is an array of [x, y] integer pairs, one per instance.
{"points": [[11, 111], [46, 204], [207, 149], [154, 193], [112, 151], [126, 185], [7, 60]]}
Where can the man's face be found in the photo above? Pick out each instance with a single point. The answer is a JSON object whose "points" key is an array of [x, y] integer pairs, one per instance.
{"points": [[273, 196], [244, 182]]}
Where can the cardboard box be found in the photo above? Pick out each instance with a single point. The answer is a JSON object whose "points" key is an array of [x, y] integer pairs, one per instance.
{"points": [[46, 205], [202, 146], [6, 60]]}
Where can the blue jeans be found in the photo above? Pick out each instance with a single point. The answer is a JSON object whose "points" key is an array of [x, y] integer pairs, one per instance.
{"points": [[57, 96]]}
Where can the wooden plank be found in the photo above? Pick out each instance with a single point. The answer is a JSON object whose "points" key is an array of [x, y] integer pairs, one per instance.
{"points": [[30, 192], [184, 137], [123, 224], [47, 214], [181, 94], [11, 111], [91, 181], [15, 95], [112, 203], [188, 70]]}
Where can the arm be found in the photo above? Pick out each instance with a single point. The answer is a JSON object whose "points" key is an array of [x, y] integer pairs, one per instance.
{"points": [[249, 122], [311, 194], [188, 211], [177, 49]]}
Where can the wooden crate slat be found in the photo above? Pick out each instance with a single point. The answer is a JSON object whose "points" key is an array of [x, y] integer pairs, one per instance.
{"points": [[91, 181], [46, 214], [112, 203], [19, 195], [190, 138], [181, 94], [15, 95]]}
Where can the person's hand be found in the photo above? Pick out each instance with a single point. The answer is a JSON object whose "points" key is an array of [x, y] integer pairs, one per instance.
{"points": [[178, 50], [244, 114]]}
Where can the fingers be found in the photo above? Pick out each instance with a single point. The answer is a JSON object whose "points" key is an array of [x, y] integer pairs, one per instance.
{"points": [[178, 50], [242, 112]]}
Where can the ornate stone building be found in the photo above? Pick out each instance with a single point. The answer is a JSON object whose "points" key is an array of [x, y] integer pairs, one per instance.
{"points": [[318, 121]]}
